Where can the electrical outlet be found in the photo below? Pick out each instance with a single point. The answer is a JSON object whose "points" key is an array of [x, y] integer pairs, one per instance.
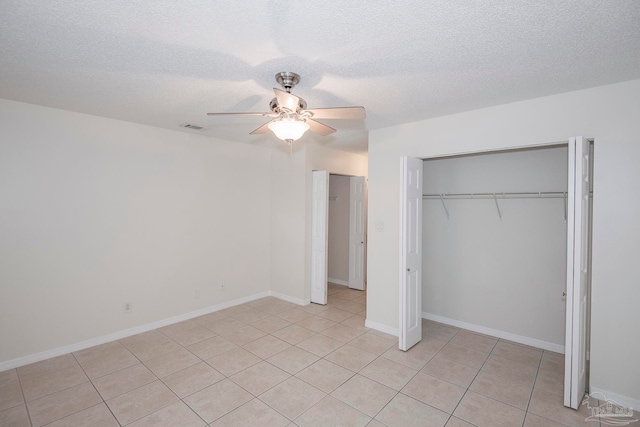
{"points": [[127, 307], [196, 293]]}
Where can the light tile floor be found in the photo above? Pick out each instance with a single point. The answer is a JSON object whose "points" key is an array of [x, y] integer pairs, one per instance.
{"points": [[272, 363]]}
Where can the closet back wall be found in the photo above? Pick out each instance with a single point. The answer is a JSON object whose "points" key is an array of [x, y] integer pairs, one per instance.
{"points": [[505, 274]]}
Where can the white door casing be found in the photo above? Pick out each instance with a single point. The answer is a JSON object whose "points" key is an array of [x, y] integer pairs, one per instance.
{"points": [[578, 241], [410, 324], [356, 232], [319, 236]]}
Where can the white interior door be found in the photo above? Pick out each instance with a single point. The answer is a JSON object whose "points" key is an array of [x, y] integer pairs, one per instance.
{"points": [[578, 241], [319, 236], [410, 327], [356, 232]]}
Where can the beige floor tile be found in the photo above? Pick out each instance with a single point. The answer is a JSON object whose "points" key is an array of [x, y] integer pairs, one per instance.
{"points": [[44, 367], [294, 334], [224, 324], [375, 423], [483, 411], [352, 306], [372, 343], [350, 357], [293, 360], [292, 397], [415, 358], [457, 422], [105, 359], [325, 375], [404, 411], [9, 377], [518, 353], [277, 308], [217, 400], [98, 415], [342, 333], [316, 323], [141, 402], [236, 309], [249, 316], [243, 335], [474, 341], [192, 379], [532, 420], [388, 373], [438, 330], [270, 324], [170, 363], [501, 389], [52, 382], [266, 346], [208, 318], [211, 347], [63, 403], [434, 392], [364, 394], [552, 362], [349, 294], [187, 332], [332, 412], [252, 413], [463, 355], [551, 407], [294, 315], [10, 396], [314, 308], [259, 378], [176, 414], [112, 385], [550, 382], [450, 371], [15, 417], [335, 314], [356, 322], [320, 345], [150, 344], [233, 361], [514, 371]]}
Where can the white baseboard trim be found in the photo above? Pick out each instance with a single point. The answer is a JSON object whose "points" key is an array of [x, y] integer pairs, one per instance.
{"points": [[284, 297], [380, 327], [338, 281], [628, 402], [495, 333], [37, 357]]}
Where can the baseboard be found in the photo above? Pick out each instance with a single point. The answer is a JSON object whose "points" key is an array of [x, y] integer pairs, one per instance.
{"points": [[495, 333], [338, 281], [284, 297], [380, 327], [628, 402], [37, 357]]}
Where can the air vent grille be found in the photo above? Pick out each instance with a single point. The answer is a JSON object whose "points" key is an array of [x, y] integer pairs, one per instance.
{"points": [[190, 126]]}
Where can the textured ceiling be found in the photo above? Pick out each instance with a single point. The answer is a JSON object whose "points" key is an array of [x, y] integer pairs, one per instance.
{"points": [[164, 63]]}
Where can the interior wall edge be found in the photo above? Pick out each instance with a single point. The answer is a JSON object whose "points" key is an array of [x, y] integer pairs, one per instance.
{"points": [[382, 328], [544, 345]]}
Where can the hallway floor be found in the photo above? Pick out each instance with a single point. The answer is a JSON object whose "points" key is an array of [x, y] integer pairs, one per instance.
{"points": [[273, 363]]}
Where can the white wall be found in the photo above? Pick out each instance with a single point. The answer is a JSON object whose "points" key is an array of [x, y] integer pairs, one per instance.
{"points": [[97, 212], [505, 274], [338, 239], [610, 115]]}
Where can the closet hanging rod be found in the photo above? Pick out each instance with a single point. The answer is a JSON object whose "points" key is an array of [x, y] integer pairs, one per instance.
{"points": [[506, 195]]}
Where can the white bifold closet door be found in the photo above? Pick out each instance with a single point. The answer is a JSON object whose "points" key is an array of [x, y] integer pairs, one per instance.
{"points": [[356, 232], [319, 236], [578, 241], [410, 327]]}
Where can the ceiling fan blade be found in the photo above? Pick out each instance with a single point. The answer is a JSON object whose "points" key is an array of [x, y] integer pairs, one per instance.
{"points": [[262, 129], [353, 113], [238, 114], [286, 100], [319, 128]]}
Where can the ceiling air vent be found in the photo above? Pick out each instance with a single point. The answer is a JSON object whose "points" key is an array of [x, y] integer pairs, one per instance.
{"points": [[190, 126]]}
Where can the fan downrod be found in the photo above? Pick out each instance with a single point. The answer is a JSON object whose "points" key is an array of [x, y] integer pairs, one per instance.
{"points": [[288, 80]]}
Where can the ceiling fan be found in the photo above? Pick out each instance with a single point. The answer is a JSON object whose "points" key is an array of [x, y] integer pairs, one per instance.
{"points": [[290, 116]]}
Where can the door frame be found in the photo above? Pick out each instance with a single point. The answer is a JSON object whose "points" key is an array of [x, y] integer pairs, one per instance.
{"points": [[569, 317]]}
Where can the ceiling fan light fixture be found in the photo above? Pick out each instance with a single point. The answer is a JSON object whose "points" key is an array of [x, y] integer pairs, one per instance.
{"points": [[288, 129]]}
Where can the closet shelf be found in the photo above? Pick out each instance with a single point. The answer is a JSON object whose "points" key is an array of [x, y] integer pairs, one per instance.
{"points": [[522, 195]]}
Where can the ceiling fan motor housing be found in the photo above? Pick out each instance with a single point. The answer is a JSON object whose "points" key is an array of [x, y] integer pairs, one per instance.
{"points": [[287, 80]]}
